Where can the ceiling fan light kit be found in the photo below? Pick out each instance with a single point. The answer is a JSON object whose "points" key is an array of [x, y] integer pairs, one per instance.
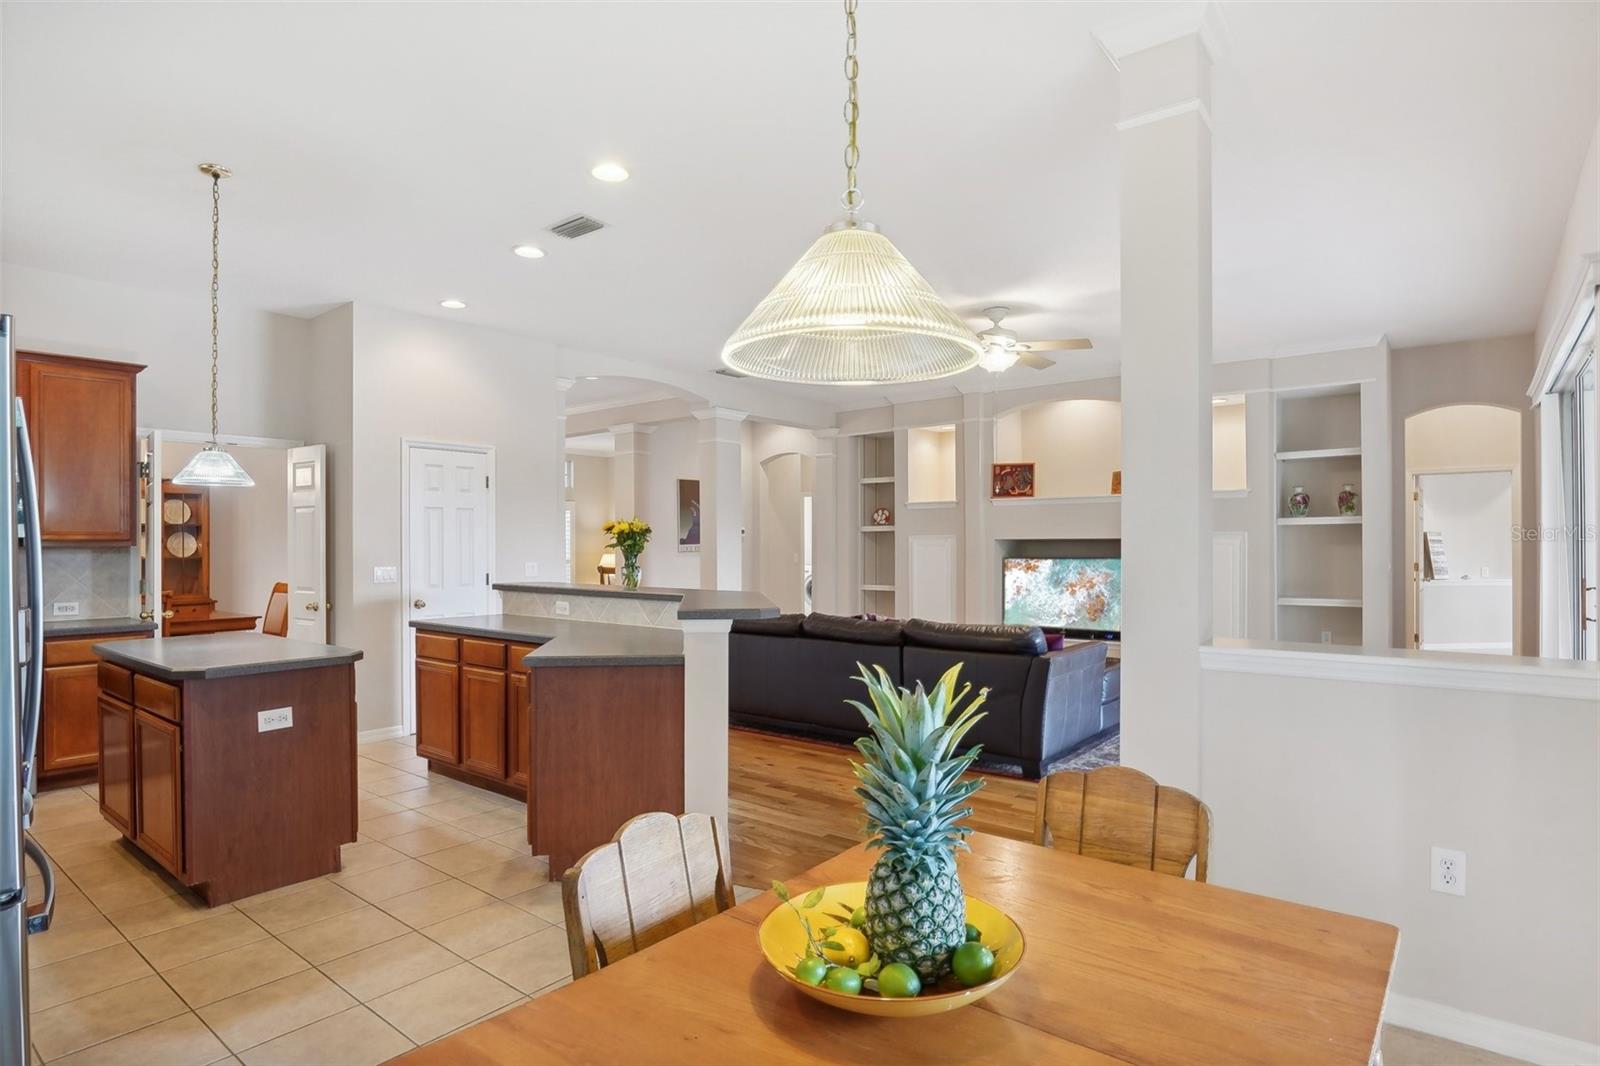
{"points": [[853, 310], [212, 465]]}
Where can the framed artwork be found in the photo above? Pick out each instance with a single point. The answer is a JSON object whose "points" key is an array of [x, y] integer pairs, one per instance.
{"points": [[688, 515], [1011, 480]]}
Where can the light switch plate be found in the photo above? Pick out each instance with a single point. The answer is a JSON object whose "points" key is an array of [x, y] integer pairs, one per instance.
{"points": [[274, 718], [530, 569], [64, 609], [385, 575]]}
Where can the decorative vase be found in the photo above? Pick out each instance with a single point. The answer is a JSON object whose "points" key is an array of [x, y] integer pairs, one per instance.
{"points": [[1299, 502], [1349, 500], [630, 571]]}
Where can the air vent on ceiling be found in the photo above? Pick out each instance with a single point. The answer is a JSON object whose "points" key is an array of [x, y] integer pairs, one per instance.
{"points": [[576, 226]]}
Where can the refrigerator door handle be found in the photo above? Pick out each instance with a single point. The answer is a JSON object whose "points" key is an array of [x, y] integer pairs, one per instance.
{"points": [[39, 916], [33, 553]]}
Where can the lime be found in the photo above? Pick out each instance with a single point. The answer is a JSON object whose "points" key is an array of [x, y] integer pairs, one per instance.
{"points": [[852, 949], [811, 969], [843, 979], [974, 934], [973, 963], [858, 917], [898, 981]]}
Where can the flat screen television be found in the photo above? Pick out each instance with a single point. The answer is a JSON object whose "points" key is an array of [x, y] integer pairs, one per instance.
{"points": [[1080, 597]]}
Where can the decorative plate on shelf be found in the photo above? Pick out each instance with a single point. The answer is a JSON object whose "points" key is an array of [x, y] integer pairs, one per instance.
{"points": [[882, 516], [176, 512], [182, 544]]}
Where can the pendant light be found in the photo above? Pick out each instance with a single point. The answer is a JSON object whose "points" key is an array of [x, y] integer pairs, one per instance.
{"points": [[211, 465], [852, 311]]}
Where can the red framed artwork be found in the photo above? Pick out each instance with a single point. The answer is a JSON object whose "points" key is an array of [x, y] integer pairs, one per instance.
{"points": [[1011, 480]]}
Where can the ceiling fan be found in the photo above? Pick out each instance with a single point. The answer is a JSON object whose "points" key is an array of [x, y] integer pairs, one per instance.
{"points": [[1002, 350]]}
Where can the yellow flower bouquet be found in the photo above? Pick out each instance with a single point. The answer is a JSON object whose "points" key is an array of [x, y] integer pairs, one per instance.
{"points": [[628, 538]]}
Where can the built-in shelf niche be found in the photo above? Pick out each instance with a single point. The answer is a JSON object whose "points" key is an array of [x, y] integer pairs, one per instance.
{"points": [[878, 481], [931, 464]]}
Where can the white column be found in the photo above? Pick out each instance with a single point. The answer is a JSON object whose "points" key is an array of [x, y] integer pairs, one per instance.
{"points": [[1165, 139], [721, 499], [826, 533], [630, 468], [980, 602], [562, 386], [705, 719]]}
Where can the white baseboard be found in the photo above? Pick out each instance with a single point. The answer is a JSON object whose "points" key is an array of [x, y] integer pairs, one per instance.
{"points": [[388, 732], [1505, 1038]]}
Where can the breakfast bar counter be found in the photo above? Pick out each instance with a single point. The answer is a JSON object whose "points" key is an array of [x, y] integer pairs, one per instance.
{"points": [[230, 758]]}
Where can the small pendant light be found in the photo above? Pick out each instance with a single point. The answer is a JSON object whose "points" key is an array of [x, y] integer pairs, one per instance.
{"points": [[211, 465], [852, 311]]}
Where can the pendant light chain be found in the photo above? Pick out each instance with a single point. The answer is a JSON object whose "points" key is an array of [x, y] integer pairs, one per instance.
{"points": [[852, 111], [216, 221]]}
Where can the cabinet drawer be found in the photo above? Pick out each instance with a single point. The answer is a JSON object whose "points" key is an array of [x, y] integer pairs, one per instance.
{"points": [[490, 653], [515, 653], [116, 681], [434, 646], [72, 651], [157, 697]]}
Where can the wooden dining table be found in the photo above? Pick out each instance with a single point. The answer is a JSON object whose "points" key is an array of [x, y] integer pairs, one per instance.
{"points": [[1120, 965]]}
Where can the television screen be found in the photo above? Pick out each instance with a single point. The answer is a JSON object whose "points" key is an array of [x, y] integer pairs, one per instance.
{"points": [[1081, 596]]}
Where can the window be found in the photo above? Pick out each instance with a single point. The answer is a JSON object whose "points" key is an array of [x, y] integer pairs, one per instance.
{"points": [[566, 522], [1570, 550]]}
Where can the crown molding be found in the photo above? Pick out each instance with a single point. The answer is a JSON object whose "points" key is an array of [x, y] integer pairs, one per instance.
{"points": [[728, 414], [1198, 19]]}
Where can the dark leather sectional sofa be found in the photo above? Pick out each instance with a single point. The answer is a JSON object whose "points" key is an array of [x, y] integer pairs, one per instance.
{"points": [[793, 673]]}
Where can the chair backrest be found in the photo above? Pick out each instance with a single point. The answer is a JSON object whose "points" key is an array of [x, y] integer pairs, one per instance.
{"points": [[275, 622], [1121, 815], [660, 874]]}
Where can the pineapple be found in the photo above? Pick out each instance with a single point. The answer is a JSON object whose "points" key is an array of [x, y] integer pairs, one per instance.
{"points": [[914, 798]]}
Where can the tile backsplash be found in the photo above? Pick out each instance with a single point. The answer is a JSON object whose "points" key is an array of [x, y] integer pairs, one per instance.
{"points": [[103, 581]]}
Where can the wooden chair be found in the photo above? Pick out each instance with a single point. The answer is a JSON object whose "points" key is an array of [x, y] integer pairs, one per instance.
{"points": [[1121, 815], [275, 622], [660, 874]]}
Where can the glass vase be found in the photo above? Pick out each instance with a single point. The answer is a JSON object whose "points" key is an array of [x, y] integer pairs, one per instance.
{"points": [[1299, 502], [1349, 500], [630, 571]]}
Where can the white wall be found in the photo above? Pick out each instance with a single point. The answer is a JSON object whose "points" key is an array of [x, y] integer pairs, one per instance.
{"points": [[1473, 513], [1074, 444], [1331, 793], [1228, 454], [781, 487], [931, 465], [249, 527], [674, 453], [1579, 238], [591, 508]]}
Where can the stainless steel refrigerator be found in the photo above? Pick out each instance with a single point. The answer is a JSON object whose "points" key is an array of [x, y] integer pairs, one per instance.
{"points": [[21, 694]]}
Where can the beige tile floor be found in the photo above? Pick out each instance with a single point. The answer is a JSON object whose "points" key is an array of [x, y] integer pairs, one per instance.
{"points": [[439, 918]]}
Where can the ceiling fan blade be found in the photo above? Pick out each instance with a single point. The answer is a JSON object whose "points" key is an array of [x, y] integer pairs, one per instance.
{"points": [[1035, 361], [1072, 344]]}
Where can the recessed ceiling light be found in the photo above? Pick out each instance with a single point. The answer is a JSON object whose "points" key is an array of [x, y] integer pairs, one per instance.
{"points": [[612, 172], [528, 251], [453, 305]]}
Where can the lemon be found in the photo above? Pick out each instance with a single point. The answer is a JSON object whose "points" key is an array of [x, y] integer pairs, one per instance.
{"points": [[852, 949]]}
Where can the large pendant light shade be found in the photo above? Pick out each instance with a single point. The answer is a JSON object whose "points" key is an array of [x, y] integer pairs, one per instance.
{"points": [[852, 311], [211, 466]]}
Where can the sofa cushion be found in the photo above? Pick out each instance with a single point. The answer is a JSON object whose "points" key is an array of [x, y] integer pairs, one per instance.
{"points": [[1004, 675], [953, 636], [801, 681], [1111, 690], [851, 630], [784, 625]]}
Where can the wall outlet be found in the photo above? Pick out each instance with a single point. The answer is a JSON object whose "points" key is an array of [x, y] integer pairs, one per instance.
{"points": [[275, 718], [64, 609], [530, 569], [1327, 636], [385, 575], [1448, 871], [563, 607]]}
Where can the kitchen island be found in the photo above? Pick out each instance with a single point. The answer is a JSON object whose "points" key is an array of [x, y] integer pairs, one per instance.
{"points": [[230, 758]]}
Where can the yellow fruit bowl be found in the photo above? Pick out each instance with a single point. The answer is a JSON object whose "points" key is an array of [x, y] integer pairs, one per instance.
{"points": [[783, 942]]}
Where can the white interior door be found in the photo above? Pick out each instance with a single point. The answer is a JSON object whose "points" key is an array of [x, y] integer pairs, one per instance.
{"points": [[150, 526], [309, 603], [448, 524]]}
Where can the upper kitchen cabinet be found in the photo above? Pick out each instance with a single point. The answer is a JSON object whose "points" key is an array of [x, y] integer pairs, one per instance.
{"points": [[81, 422]]}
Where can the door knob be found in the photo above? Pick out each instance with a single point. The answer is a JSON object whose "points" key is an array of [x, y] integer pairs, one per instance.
{"points": [[419, 604], [313, 606], [147, 616], [169, 614]]}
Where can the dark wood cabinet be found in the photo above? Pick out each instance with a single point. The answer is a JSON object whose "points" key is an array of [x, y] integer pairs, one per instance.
{"points": [[483, 720], [116, 763], [472, 709], [438, 711], [81, 421], [69, 728], [158, 798]]}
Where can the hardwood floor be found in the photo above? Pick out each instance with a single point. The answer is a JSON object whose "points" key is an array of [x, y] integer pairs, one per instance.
{"points": [[792, 804]]}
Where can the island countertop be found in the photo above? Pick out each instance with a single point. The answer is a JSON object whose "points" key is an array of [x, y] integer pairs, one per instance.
{"points": [[692, 603], [95, 627], [215, 655], [564, 642]]}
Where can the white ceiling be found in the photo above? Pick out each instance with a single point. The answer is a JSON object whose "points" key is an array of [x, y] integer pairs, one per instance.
{"points": [[1400, 168]]}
